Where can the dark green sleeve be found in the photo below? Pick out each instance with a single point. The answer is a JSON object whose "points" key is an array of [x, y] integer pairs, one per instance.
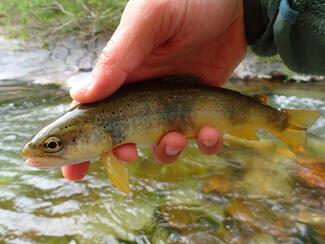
{"points": [[296, 31]]}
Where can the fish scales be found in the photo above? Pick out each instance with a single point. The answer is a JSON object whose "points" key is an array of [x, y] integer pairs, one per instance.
{"points": [[142, 112]]}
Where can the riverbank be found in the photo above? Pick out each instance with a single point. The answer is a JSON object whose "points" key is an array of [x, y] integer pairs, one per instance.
{"points": [[72, 58], [58, 63], [60, 41]]}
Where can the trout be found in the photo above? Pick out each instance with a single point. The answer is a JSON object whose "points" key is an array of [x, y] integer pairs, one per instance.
{"points": [[144, 111]]}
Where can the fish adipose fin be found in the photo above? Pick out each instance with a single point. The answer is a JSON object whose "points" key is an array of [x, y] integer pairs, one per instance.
{"points": [[262, 98], [116, 172], [298, 122], [249, 133]]}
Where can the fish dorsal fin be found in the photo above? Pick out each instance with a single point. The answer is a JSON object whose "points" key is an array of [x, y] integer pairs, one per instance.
{"points": [[248, 133], [262, 98], [116, 172]]}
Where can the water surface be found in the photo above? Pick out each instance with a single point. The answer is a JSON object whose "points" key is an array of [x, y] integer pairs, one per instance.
{"points": [[251, 192]]}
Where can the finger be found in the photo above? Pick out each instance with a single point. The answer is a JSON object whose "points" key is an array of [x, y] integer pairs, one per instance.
{"points": [[132, 41], [209, 140], [76, 171], [170, 147], [127, 153]]}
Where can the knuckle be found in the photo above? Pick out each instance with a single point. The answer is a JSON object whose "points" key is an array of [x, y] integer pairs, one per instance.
{"points": [[148, 6], [107, 56], [108, 52]]}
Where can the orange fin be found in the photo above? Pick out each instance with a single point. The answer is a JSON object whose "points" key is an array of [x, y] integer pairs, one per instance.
{"points": [[301, 118], [262, 98], [116, 172], [249, 133], [295, 138]]}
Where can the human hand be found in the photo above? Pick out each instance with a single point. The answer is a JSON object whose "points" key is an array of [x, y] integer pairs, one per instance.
{"points": [[162, 37]]}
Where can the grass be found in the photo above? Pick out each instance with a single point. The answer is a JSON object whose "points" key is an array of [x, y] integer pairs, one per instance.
{"points": [[49, 18]]}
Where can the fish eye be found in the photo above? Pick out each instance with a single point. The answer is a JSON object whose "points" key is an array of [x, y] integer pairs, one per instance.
{"points": [[52, 144]]}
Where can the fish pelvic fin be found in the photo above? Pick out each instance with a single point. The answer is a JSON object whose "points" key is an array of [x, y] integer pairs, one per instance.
{"points": [[116, 172], [298, 122]]}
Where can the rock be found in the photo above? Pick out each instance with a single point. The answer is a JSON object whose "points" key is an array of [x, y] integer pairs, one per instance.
{"points": [[67, 58], [59, 62], [312, 175], [256, 217], [217, 184], [278, 75]]}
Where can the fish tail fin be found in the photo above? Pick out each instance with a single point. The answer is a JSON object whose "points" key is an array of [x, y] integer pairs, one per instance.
{"points": [[301, 118], [298, 122]]}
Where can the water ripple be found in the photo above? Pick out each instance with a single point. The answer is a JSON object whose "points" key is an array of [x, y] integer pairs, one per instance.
{"points": [[245, 194]]}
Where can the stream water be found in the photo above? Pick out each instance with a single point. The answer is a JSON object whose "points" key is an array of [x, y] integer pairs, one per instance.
{"points": [[251, 192]]}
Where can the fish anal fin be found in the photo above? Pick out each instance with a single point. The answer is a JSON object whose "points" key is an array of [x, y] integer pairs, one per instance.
{"points": [[295, 138], [116, 172], [301, 118], [247, 133]]}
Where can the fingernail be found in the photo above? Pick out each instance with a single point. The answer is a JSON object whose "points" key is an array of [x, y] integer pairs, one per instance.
{"points": [[171, 150], [73, 103], [209, 143], [82, 86]]}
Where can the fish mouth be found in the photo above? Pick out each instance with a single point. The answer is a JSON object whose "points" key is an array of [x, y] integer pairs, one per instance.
{"points": [[37, 163], [44, 163]]}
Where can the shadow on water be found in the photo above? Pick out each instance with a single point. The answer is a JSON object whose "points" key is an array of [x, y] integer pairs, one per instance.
{"points": [[252, 192]]}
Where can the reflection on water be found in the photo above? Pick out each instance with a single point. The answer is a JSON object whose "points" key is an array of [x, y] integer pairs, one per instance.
{"points": [[252, 192]]}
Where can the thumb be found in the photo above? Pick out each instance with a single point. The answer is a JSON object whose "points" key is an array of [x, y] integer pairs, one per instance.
{"points": [[132, 41]]}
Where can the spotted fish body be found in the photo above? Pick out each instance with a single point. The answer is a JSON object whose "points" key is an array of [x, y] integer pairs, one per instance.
{"points": [[144, 111]]}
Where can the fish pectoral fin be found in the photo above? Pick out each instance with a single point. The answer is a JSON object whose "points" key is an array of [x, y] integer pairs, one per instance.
{"points": [[116, 172], [247, 133]]}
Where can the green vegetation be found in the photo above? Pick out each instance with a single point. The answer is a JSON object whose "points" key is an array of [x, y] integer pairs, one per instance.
{"points": [[44, 18]]}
